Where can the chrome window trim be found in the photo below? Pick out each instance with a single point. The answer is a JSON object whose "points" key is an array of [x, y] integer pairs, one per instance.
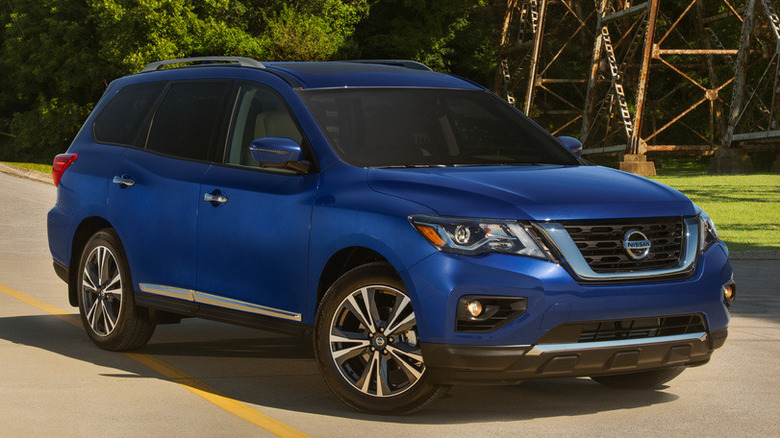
{"points": [[217, 301], [557, 235], [579, 346]]}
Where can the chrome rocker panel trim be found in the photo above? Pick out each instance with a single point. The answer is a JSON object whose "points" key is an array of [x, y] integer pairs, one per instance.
{"points": [[559, 237], [217, 301]]}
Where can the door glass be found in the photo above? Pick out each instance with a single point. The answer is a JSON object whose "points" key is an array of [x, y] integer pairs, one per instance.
{"points": [[259, 113], [188, 119]]}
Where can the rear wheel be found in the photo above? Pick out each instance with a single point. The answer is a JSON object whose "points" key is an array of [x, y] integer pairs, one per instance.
{"points": [[367, 345], [643, 380], [106, 304]]}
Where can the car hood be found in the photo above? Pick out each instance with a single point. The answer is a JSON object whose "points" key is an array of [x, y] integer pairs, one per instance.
{"points": [[532, 192]]}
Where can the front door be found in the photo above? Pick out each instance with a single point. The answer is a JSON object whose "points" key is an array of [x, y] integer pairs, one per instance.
{"points": [[253, 223]]}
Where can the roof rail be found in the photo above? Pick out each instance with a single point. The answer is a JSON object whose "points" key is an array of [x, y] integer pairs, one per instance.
{"points": [[414, 65], [206, 60]]}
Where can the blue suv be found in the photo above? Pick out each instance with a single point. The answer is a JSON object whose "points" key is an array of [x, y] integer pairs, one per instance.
{"points": [[423, 231]]}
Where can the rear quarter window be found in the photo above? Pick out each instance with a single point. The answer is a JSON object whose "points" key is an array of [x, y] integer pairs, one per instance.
{"points": [[123, 119], [188, 119]]}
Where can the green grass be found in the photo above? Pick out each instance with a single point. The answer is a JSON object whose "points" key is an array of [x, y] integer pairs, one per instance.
{"points": [[33, 166], [745, 208]]}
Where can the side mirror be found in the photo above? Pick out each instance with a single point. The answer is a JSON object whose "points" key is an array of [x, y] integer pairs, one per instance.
{"points": [[282, 152], [571, 144]]}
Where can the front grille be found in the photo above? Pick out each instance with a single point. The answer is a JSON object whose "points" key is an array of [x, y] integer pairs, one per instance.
{"points": [[618, 329], [601, 243]]}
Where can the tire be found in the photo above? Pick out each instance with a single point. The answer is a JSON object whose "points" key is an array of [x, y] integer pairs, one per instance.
{"points": [[378, 366], [644, 380], [105, 295]]}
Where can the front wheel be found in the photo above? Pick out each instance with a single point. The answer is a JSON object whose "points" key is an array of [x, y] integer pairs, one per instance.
{"points": [[641, 380], [367, 346], [105, 294]]}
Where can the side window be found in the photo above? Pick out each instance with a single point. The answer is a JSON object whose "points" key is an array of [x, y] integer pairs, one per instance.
{"points": [[122, 119], [259, 113], [188, 119]]}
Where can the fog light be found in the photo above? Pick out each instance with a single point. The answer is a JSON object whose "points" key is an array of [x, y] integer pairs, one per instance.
{"points": [[474, 308], [482, 313]]}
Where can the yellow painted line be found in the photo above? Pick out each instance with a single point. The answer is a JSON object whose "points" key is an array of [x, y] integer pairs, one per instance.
{"points": [[235, 407], [64, 315]]}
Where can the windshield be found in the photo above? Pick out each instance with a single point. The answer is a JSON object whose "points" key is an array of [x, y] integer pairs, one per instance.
{"points": [[412, 127]]}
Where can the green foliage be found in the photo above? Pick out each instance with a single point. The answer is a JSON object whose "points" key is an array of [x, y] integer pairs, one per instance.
{"points": [[57, 56], [313, 30], [457, 36], [44, 168]]}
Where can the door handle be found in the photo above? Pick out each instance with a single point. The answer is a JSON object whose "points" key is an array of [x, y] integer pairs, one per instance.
{"points": [[123, 181], [215, 197]]}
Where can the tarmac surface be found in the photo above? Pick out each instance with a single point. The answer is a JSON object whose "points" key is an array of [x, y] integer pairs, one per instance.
{"points": [[201, 378]]}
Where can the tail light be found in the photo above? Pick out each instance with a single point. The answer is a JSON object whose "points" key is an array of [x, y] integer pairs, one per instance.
{"points": [[61, 162]]}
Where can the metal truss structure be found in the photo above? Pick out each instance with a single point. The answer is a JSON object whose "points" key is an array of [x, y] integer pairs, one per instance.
{"points": [[689, 76]]}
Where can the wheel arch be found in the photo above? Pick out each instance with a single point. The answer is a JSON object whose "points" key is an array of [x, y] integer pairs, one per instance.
{"points": [[342, 262], [88, 227]]}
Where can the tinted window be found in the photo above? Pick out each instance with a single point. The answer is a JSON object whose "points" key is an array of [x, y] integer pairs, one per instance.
{"points": [[259, 113], [188, 119], [429, 127], [122, 119]]}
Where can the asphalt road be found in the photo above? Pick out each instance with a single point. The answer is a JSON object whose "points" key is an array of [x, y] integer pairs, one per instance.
{"points": [[201, 378]]}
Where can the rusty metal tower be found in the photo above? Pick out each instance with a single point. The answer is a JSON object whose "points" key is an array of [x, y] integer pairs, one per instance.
{"points": [[655, 72]]}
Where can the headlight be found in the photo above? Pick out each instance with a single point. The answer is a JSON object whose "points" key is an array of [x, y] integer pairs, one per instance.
{"points": [[478, 236], [708, 234]]}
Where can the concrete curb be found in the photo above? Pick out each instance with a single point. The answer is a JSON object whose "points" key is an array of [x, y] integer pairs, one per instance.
{"points": [[46, 179], [26, 173]]}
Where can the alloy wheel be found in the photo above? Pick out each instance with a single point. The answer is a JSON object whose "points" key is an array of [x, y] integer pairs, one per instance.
{"points": [[101, 291], [373, 341]]}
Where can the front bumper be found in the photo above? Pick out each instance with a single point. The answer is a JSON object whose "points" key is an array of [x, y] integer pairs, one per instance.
{"points": [[553, 297], [480, 365]]}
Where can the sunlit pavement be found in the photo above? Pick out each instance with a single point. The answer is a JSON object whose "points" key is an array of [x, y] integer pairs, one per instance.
{"points": [[56, 382]]}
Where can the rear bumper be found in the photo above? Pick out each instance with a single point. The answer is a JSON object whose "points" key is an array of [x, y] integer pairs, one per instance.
{"points": [[497, 365]]}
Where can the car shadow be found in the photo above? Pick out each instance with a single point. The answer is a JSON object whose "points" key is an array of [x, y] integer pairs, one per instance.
{"points": [[277, 371]]}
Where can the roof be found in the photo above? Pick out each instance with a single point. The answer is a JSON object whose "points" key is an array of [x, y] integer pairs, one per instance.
{"points": [[329, 74], [337, 74]]}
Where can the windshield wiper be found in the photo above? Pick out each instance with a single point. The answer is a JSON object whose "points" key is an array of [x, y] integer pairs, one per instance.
{"points": [[496, 164], [408, 166]]}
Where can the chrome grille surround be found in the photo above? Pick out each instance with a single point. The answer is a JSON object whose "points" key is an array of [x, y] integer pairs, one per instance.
{"points": [[602, 243], [558, 237]]}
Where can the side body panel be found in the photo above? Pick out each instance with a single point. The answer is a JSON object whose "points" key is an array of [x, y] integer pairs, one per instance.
{"points": [[156, 217], [254, 246], [82, 194]]}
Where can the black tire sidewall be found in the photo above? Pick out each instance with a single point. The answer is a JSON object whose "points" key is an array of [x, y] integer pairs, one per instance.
{"points": [[110, 240], [366, 275]]}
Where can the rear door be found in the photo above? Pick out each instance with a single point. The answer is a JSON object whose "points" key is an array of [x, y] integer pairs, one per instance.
{"points": [[153, 198], [253, 247]]}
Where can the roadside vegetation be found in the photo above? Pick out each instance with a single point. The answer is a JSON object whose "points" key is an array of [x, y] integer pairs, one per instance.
{"points": [[45, 168], [745, 208]]}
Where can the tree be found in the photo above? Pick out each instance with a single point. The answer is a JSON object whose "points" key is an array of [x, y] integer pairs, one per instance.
{"points": [[57, 56], [457, 36]]}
